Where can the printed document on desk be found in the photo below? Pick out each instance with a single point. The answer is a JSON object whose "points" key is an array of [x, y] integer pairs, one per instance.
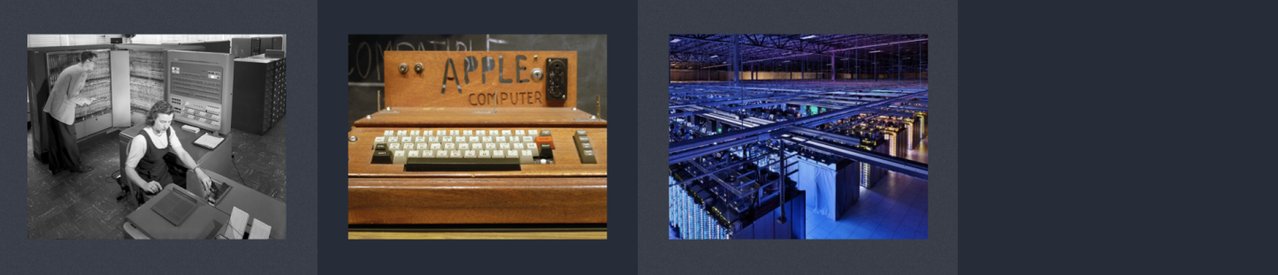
{"points": [[259, 230], [236, 226], [209, 141]]}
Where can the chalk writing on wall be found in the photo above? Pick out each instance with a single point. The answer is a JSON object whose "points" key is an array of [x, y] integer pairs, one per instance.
{"points": [[364, 54]]}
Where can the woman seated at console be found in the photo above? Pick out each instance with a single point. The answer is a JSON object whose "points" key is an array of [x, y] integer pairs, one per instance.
{"points": [[146, 166]]}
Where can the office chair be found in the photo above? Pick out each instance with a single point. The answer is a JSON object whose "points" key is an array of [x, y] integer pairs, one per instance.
{"points": [[128, 189]]}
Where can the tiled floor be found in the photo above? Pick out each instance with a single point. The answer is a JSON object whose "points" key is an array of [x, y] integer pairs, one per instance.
{"points": [[83, 205], [896, 208]]}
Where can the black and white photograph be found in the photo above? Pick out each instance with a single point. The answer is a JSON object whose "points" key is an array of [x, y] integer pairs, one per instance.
{"points": [[156, 136]]}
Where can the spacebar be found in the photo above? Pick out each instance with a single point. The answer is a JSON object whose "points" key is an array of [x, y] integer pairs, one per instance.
{"points": [[465, 164]]}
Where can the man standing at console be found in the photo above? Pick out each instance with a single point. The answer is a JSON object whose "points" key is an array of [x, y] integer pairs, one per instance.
{"points": [[64, 153]]}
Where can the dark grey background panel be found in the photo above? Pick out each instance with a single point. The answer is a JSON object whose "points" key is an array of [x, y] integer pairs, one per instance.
{"points": [[616, 255], [938, 254], [295, 255]]}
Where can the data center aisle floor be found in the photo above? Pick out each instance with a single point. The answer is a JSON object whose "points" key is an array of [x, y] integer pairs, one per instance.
{"points": [[896, 208], [83, 206]]}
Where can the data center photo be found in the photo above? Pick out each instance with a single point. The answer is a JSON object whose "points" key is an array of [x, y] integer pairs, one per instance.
{"points": [[477, 136], [156, 136], [798, 136]]}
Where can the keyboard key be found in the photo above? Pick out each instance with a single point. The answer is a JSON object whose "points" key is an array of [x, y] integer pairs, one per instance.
{"points": [[415, 132], [419, 139], [392, 139], [436, 146], [545, 152], [451, 164], [401, 133], [463, 146], [500, 139], [468, 132], [386, 133], [472, 139], [483, 154], [546, 141], [486, 139], [382, 157], [470, 154], [400, 156], [520, 132], [505, 132]]}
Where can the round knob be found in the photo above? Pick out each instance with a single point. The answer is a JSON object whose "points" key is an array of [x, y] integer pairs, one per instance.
{"points": [[354, 139], [403, 68], [418, 67], [536, 73]]}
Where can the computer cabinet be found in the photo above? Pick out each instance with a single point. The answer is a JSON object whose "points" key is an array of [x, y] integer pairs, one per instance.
{"points": [[260, 93]]}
